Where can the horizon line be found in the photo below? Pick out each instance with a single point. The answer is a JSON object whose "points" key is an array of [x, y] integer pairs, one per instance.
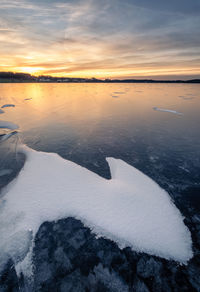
{"points": [[145, 78]]}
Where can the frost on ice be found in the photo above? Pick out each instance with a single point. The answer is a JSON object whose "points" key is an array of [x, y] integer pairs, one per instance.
{"points": [[130, 208], [166, 110]]}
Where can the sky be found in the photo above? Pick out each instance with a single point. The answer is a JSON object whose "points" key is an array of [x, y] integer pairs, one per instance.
{"points": [[101, 38]]}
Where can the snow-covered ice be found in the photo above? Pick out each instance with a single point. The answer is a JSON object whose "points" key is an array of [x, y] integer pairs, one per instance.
{"points": [[8, 125], [166, 110], [8, 105], [130, 208]]}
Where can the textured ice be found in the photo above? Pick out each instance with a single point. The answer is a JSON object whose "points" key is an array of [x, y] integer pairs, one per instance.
{"points": [[166, 110], [130, 208], [8, 105], [8, 125], [5, 171]]}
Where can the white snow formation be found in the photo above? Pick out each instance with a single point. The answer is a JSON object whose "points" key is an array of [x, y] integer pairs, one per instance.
{"points": [[130, 208]]}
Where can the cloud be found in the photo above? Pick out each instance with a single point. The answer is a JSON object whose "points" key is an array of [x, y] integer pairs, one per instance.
{"points": [[84, 35], [172, 6]]}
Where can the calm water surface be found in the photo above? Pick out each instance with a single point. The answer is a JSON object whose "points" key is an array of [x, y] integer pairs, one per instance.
{"points": [[87, 122]]}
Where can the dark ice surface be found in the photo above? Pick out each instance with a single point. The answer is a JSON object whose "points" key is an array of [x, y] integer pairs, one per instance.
{"points": [[83, 123]]}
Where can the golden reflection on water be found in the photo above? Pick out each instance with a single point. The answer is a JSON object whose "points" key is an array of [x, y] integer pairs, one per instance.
{"points": [[87, 106]]}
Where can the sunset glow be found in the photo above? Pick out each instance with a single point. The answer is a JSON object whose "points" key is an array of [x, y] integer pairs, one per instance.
{"points": [[98, 39]]}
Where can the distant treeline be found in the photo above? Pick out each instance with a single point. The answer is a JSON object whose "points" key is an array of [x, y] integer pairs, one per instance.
{"points": [[10, 77], [17, 76]]}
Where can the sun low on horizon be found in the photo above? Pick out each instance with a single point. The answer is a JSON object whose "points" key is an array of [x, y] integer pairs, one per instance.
{"points": [[102, 39]]}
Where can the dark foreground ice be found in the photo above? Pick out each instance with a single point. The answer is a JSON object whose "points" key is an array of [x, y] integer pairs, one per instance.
{"points": [[68, 257]]}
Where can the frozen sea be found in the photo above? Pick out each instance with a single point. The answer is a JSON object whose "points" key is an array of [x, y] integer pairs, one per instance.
{"points": [[84, 123], [153, 127]]}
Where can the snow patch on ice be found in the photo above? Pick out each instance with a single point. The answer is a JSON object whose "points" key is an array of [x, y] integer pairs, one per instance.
{"points": [[7, 136], [8, 105], [130, 208], [166, 110], [8, 125], [18, 241], [186, 97]]}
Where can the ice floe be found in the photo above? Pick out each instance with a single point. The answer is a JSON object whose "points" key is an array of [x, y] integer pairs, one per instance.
{"points": [[167, 110], [130, 208], [8, 105], [8, 125]]}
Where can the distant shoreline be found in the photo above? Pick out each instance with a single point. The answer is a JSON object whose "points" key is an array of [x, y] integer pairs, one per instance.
{"points": [[104, 81], [10, 77]]}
